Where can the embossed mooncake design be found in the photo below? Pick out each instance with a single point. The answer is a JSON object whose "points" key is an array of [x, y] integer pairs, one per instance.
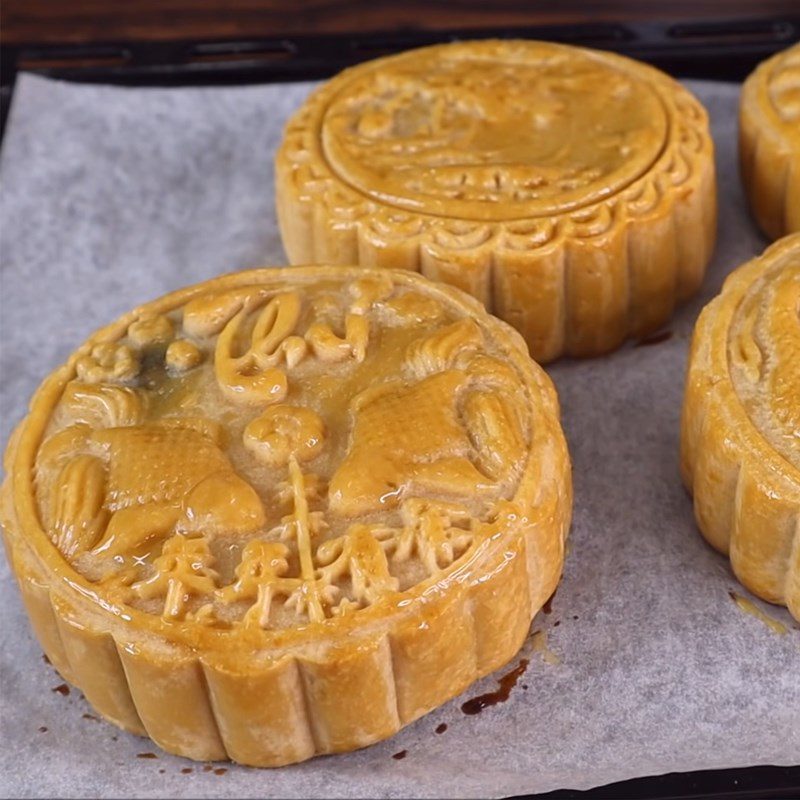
{"points": [[287, 512], [741, 423], [769, 142], [571, 191]]}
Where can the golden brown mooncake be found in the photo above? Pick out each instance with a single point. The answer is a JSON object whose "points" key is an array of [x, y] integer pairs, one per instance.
{"points": [[741, 423], [571, 191], [769, 142], [288, 511]]}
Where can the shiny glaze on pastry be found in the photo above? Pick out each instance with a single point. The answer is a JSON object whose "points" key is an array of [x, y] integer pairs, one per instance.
{"points": [[287, 512], [571, 191], [741, 423], [769, 142]]}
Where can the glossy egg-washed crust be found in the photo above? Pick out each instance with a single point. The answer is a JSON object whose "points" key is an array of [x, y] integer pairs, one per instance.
{"points": [[741, 423], [271, 697], [769, 142], [576, 266]]}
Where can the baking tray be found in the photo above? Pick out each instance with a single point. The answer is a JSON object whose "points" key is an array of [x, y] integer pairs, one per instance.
{"points": [[726, 50], [721, 50]]}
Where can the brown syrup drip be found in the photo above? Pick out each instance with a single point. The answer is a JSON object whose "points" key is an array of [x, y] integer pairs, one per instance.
{"points": [[654, 338], [186, 771], [62, 689], [92, 717], [548, 604], [220, 770], [47, 660], [556, 623], [146, 755], [400, 756], [161, 771], [43, 729], [507, 683], [441, 728]]}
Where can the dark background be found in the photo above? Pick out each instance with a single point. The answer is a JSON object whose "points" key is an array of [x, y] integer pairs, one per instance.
{"points": [[82, 21]]}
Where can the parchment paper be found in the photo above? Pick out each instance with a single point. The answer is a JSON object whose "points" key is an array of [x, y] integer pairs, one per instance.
{"points": [[112, 196]]}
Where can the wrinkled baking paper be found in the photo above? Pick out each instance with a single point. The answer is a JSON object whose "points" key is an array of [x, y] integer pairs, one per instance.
{"points": [[113, 196]]}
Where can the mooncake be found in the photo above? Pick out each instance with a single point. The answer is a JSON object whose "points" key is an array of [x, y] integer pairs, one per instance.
{"points": [[288, 511], [769, 142], [571, 191], [741, 423]]}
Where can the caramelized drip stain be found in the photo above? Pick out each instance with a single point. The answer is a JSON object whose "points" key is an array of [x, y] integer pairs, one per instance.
{"points": [[47, 660], [507, 683], [92, 717], [62, 689], [539, 645], [654, 338], [548, 604], [220, 770], [146, 755], [441, 728], [186, 771], [749, 607], [43, 729], [400, 756]]}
